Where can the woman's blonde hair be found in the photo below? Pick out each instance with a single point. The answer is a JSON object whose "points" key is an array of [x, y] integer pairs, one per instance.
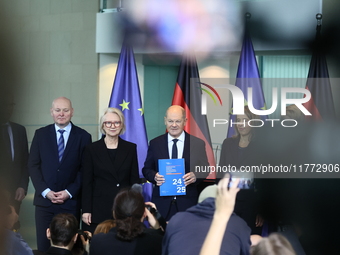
{"points": [[120, 115]]}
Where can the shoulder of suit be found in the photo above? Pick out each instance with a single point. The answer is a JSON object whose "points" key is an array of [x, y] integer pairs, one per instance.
{"points": [[159, 138], [193, 138], [231, 140], [98, 144], [17, 125], [78, 129], [45, 129], [126, 143], [17, 128]]}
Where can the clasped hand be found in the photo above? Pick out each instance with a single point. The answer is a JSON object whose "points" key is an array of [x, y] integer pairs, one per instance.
{"points": [[57, 197]]}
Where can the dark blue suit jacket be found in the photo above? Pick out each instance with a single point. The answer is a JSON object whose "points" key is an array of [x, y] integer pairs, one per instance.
{"points": [[15, 172], [194, 154], [47, 172]]}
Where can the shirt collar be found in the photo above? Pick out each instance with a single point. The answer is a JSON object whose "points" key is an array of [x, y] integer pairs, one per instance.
{"points": [[67, 128], [180, 138]]}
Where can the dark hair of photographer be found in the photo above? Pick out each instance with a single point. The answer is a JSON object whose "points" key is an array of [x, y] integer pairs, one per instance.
{"points": [[63, 228], [128, 209]]}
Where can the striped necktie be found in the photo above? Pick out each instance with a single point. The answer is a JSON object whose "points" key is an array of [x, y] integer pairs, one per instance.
{"points": [[61, 145]]}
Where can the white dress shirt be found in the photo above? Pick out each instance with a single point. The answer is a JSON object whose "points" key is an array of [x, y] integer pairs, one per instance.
{"points": [[66, 135], [180, 145]]}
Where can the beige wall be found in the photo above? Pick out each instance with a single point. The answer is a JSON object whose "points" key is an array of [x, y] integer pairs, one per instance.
{"points": [[53, 52], [47, 50], [107, 70]]}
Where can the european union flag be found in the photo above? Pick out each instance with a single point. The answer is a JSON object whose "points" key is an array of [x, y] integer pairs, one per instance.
{"points": [[126, 97], [248, 75]]}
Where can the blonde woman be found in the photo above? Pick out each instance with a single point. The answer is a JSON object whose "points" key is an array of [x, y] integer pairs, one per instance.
{"points": [[109, 165]]}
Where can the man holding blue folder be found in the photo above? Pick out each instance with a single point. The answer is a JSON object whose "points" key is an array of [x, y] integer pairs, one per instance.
{"points": [[172, 145]]}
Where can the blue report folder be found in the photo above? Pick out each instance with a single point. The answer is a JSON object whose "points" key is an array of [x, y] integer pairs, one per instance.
{"points": [[173, 171]]}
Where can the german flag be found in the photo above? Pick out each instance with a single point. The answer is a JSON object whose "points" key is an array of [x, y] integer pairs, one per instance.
{"points": [[188, 95], [321, 104]]}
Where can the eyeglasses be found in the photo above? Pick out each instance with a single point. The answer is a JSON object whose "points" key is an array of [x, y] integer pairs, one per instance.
{"points": [[109, 124]]}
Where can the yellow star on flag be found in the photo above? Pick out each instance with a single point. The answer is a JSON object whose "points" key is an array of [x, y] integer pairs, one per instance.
{"points": [[141, 111], [124, 105]]}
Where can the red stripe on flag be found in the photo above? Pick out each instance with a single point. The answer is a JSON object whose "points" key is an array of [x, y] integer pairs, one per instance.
{"points": [[311, 107], [178, 98], [192, 128]]}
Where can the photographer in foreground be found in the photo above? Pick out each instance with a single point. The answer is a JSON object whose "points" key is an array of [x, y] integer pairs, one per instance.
{"points": [[275, 244], [224, 202], [11, 241], [129, 236], [63, 235]]}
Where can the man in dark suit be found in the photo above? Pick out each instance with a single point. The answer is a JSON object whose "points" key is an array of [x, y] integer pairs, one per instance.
{"points": [[191, 148], [54, 166], [14, 154]]}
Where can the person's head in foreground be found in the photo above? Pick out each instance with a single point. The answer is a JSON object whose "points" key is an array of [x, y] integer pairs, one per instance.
{"points": [[129, 212], [63, 231], [274, 244]]}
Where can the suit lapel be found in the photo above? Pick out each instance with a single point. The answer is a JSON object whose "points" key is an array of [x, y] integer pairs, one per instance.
{"points": [[186, 149], [163, 147], [15, 140], [72, 137], [53, 142]]}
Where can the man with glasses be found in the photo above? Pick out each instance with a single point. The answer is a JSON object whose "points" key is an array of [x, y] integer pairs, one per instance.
{"points": [[54, 166], [175, 144]]}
